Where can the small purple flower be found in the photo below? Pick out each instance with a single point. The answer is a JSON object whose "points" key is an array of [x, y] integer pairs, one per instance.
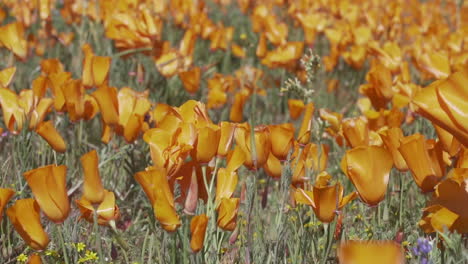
{"points": [[422, 250]]}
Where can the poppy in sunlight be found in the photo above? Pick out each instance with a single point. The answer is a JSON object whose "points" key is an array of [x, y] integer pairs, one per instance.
{"points": [[227, 213], [50, 134], [191, 79], [255, 158], [95, 68], [106, 211], [12, 38], [93, 191]]}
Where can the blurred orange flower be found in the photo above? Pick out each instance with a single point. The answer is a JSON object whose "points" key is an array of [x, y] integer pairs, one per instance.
{"points": [[5, 196], [198, 229], [373, 251]]}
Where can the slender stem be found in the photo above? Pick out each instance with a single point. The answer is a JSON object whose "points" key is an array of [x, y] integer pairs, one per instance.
{"points": [[128, 52], [123, 244], [173, 249], [97, 236], [400, 212], [62, 242], [330, 230]]}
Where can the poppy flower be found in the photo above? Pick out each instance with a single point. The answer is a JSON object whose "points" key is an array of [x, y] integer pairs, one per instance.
{"points": [[13, 113], [304, 134], [449, 143], [226, 137], [227, 213], [6, 76], [324, 198], [191, 79], [95, 68], [48, 132], [447, 208], [12, 38], [373, 251], [227, 178], [5, 196], [273, 166], [254, 160], [284, 137], [25, 216], [106, 98], [207, 143], [415, 151], [356, 131], [198, 229], [48, 185], [154, 183], [93, 191], [107, 210], [34, 259], [391, 138], [369, 178], [443, 102], [284, 55]]}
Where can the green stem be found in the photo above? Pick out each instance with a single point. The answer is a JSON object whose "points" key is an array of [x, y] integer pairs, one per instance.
{"points": [[123, 244], [400, 211], [130, 51], [62, 242], [173, 249], [97, 236], [330, 230]]}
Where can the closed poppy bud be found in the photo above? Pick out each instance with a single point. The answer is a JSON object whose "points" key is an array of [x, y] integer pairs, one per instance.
{"points": [[227, 135], [391, 138], [48, 185], [156, 187], [273, 166], [25, 216], [106, 211], [356, 132], [367, 252], [414, 150], [227, 213], [192, 195], [198, 230], [92, 185], [361, 172], [306, 126], [48, 132], [207, 143], [283, 136], [296, 107], [34, 259], [5, 196]]}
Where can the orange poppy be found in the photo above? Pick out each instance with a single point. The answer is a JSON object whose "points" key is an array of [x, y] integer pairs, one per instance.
{"points": [[106, 211], [198, 229], [391, 138], [296, 107], [304, 134], [95, 68], [226, 138], [325, 199], [356, 131], [25, 216], [5, 196], [34, 259], [415, 151], [207, 143], [48, 132], [369, 178], [12, 38], [48, 185], [283, 136], [254, 160], [106, 98], [447, 208], [6, 76], [154, 183], [191, 79], [227, 213], [93, 191]]}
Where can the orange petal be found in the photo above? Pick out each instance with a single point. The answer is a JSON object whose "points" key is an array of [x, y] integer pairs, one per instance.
{"points": [[48, 132], [5, 196], [198, 229], [191, 79], [283, 136], [295, 108], [273, 166], [106, 98], [361, 172], [6, 76], [226, 183], [227, 213], [25, 216], [12, 37], [48, 185], [92, 185], [414, 151], [303, 136], [391, 138]]}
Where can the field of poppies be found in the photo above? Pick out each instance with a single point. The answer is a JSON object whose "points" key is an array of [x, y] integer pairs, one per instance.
{"points": [[234, 131]]}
